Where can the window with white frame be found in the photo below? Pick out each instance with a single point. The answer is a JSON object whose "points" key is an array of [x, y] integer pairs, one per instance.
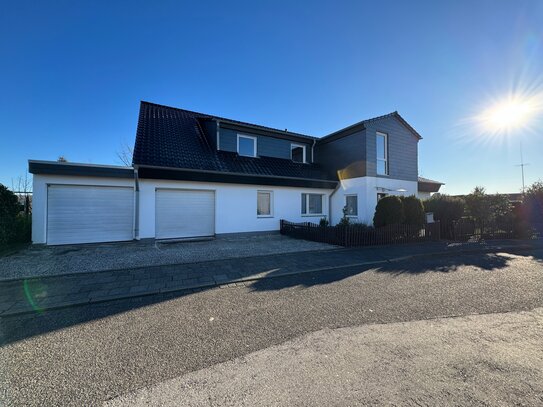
{"points": [[351, 205], [312, 204], [298, 153], [382, 153], [264, 204], [247, 145]]}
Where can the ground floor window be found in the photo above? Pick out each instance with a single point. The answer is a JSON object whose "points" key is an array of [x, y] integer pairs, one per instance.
{"points": [[351, 205], [264, 203], [312, 204]]}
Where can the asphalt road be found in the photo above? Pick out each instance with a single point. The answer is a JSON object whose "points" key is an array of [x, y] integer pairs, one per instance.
{"points": [[477, 360], [86, 355]]}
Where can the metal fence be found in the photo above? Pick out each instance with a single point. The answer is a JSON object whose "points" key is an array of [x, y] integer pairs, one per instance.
{"points": [[361, 235]]}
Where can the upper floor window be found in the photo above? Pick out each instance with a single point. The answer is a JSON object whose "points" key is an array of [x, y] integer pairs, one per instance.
{"points": [[247, 145], [382, 154], [312, 204], [297, 153]]}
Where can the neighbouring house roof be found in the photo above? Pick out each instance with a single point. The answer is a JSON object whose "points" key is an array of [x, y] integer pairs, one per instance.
{"points": [[170, 139], [428, 185]]}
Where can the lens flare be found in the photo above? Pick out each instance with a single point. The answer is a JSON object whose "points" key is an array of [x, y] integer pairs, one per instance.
{"points": [[514, 112]]}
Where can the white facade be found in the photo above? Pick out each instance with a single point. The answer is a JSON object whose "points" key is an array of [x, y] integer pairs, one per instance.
{"points": [[366, 189], [235, 204]]}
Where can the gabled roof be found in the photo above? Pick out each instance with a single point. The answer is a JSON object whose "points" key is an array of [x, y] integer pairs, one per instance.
{"points": [[361, 124], [171, 138]]}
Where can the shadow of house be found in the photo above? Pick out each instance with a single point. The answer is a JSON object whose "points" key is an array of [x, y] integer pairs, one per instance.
{"points": [[17, 328]]}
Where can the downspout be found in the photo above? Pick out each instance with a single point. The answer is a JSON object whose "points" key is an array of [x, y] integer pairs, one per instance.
{"points": [[330, 202], [313, 151], [136, 205]]}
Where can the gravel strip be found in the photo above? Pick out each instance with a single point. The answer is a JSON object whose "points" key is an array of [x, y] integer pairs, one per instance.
{"points": [[53, 260]]}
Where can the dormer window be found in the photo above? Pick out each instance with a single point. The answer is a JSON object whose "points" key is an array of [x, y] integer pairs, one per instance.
{"points": [[297, 153], [246, 145]]}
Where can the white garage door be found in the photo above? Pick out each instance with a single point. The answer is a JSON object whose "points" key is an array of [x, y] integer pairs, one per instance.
{"points": [[184, 213], [88, 214]]}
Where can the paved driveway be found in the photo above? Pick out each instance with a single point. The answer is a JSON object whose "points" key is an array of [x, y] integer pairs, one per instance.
{"points": [[52, 260]]}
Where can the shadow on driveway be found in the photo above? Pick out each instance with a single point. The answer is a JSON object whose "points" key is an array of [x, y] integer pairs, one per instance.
{"points": [[16, 328]]}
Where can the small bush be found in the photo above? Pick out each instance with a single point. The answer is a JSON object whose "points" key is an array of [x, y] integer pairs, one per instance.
{"points": [[413, 210], [389, 211], [344, 221], [323, 222]]}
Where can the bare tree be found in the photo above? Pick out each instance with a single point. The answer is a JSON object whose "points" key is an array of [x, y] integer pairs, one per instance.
{"points": [[22, 188], [62, 159], [124, 154]]}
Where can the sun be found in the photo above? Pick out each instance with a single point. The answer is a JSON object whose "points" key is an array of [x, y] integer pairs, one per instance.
{"points": [[508, 114]]}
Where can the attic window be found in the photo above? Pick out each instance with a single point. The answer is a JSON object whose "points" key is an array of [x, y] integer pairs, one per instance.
{"points": [[297, 153], [247, 145]]}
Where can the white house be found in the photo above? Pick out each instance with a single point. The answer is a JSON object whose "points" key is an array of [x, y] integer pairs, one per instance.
{"points": [[197, 175]]}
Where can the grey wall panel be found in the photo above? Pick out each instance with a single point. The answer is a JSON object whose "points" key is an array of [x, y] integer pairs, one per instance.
{"points": [[344, 156], [266, 146], [402, 149]]}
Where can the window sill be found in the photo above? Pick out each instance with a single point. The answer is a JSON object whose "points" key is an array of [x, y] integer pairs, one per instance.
{"points": [[312, 215], [264, 216]]}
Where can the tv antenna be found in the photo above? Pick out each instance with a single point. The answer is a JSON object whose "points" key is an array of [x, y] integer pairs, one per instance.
{"points": [[522, 165]]}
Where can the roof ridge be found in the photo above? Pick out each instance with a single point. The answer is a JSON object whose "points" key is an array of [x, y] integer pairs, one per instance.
{"points": [[227, 119]]}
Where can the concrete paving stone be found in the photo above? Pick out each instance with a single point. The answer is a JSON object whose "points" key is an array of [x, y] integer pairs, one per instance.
{"points": [[205, 279], [174, 284], [93, 287], [139, 289], [125, 277], [119, 291], [156, 287], [220, 278]]}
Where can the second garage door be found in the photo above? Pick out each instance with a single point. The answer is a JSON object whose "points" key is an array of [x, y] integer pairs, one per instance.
{"points": [[184, 213]]}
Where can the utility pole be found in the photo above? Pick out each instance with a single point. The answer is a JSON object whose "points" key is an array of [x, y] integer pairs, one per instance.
{"points": [[522, 165]]}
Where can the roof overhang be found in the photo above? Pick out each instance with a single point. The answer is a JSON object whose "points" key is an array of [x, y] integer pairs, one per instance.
{"points": [[79, 169], [429, 186], [181, 174]]}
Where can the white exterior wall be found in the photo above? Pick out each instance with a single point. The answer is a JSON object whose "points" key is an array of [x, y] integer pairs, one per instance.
{"points": [[235, 205], [367, 189], [39, 197]]}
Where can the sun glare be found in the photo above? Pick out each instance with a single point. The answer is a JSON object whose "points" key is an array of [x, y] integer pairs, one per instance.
{"points": [[509, 114]]}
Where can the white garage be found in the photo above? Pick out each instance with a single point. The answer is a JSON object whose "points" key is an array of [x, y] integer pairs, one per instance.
{"points": [[183, 213], [89, 214]]}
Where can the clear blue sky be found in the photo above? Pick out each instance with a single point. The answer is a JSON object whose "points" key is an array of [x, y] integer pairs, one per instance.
{"points": [[72, 74]]}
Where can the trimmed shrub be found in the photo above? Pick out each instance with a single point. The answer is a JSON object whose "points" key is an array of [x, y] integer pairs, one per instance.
{"points": [[446, 210], [389, 211], [413, 210]]}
